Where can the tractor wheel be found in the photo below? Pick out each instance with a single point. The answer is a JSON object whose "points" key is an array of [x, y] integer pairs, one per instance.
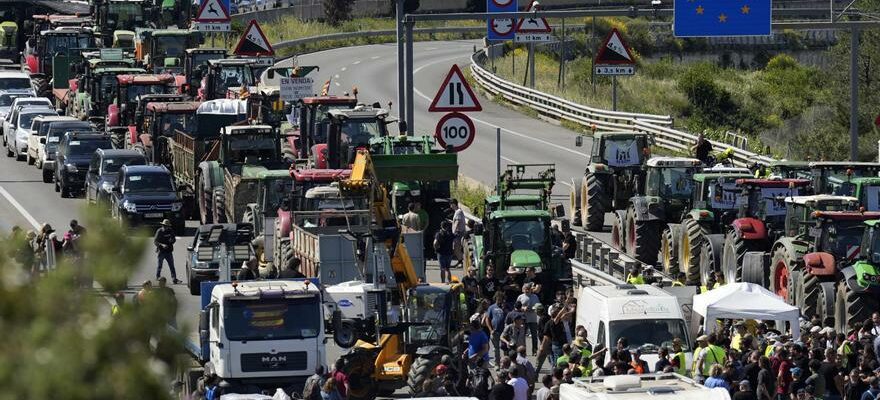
{"points": [[809, 303], [693, 234], [735, 248], [643, 238], [574, 203], [219, 205], [592, 204], [783, 274], [825, 303], [710, 256], [203, 201], [753, 268], [285, 253], [248, 217], [851, 309], [47, 176], [42, 86], [358, 365], [618, 233], [420, 370], [667, 258]]}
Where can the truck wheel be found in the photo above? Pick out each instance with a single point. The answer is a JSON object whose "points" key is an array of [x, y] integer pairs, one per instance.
{"points": [[809, 302], [592, 204], [710, 256], [753, 270], [618, 239], [203, 202], [782, 273], [346, 336], [419, 371], [47, 176], [30, 160], [668, 254], [42, 86], [693, 234], [574, 203], [825, 303], [851, 308], [284, 253], [195, 287], [358, 365], [219, 205]]}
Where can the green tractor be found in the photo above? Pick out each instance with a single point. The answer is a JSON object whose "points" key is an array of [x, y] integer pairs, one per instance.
{"points": [[669, 191], [120, 16], [831, 177], [614, 174], [866, 189], [790, 169], [714, 207], [163, 50], [95, 91], [8, 40], [858, 285]]}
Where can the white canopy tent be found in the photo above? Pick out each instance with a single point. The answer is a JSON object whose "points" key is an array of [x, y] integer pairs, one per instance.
{"points": [[745, 301]]}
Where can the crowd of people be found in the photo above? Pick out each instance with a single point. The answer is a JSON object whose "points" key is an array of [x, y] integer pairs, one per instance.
{"points": [[38, 252]]}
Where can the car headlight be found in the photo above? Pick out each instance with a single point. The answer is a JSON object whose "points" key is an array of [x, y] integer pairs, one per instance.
{"points": [[201, 264], [129, 206], [71, 168], [107, 187], [176, 206]]}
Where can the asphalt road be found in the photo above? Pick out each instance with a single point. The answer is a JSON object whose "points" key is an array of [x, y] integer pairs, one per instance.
{"points": [[26, 201]]}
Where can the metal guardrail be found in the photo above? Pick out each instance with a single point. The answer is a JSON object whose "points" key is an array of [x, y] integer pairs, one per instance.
{"points": [[659, 126]]}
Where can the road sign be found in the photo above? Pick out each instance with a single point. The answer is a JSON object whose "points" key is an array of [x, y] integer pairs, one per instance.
{"points": [[293, 89], [455, 94], [262, 61], [703, 18], [253, 42], [503, 28], [615, 70], [614, 51], [455, 130], [213, 16], [533, 29]]}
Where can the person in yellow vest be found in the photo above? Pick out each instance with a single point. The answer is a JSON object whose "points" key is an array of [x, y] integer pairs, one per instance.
{"points": [[711, 355], [698, 353], [679, 360], [119, 297], [635, 277], [740, 331]]}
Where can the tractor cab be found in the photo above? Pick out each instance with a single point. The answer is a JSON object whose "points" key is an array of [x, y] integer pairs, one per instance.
{"points": [[761, 204], [790, 170], [716, 199], [120, 15], [314, 120], [516, 240], [838, 233], [836, 177], [619, 150], [669, 184], [132, 87], [59, 42], [435, 316], [163, 50], [96, 90], [196, 66], [350, 130], [223, 75], [249, 144], [8, 39], [801, 211]]}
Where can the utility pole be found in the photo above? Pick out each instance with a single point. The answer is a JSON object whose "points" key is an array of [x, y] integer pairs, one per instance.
{"points": [[497, 159], [410, 83], [561, 81], [613, 92], [401, 80], [532, 65], [854, 95]]}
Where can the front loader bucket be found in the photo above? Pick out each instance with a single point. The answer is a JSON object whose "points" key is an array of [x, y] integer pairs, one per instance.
{"points": [[416, 167]]}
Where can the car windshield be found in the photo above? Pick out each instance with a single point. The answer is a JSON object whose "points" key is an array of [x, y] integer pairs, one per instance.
{"points": [[524, 234], [112, 165], [87, 147], [15, 84], [54, 135], [25, 120], [148, 183], [136, 90], [6, 99], [649, 335], [676, 182], [125, 13], [272, 319], [427, 305], [843, 238], [178, 122]]}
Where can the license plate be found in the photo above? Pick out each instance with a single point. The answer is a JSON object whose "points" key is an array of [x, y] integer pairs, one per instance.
{"points": [[154, 215]]}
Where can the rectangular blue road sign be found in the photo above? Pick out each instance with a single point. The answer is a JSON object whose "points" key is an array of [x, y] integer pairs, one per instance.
{"points": [[501, 29], [696, 18]]}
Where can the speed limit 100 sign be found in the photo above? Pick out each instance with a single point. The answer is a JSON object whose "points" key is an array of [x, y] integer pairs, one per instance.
{"points": [[455, 130]]}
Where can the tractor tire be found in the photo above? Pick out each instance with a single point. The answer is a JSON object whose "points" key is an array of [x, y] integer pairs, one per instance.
{"points": [[30, 160], [644, 237], [203, 201], [618, 233], [421, 369], [48, 176], [784, 274], [284, 253], [358, 365], [809, 303], [574, 203], [851, 309], [592, 203], [346, 336], [219, 205], [753, 268], [248, 217], [42, 86], [195, 287], [825, 303], [735, 248], [693, 234], [710, 257], [667, 257]]}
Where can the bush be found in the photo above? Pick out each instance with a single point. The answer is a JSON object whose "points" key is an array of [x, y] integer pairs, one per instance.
{"points": [[710, 104], [337, 11]]}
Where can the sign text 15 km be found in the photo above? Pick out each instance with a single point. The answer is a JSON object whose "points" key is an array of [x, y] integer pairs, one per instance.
{"points": [[455, 130]]}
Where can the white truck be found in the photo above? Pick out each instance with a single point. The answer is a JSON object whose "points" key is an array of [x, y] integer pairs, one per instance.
{"points": [[259, 335], [648, 317], [639, 387]]}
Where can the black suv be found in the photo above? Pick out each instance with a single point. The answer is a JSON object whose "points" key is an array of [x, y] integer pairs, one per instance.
{"points": [[103, 170], [145, 195], [74, 153], [50, 135], [203, 258]]}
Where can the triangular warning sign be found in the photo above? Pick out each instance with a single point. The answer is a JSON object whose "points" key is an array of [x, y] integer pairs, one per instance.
{"points": [[212, 11], [533, 25], [253, 42], [614, 50], [455, 94]]}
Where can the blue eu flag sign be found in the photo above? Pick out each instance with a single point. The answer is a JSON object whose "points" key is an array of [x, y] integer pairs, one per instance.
{"points": [[721, 18]]}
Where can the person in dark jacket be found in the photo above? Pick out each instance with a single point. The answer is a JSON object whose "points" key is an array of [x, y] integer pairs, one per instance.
{"points": [[443, 245], [164, 241], [249, 271]]}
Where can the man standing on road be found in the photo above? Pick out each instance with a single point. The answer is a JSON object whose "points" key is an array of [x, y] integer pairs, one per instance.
{"points": [[411, 220], [519, 384], [529, 300], [164, 241], [459, 228], [495, 321], [443, 245]]}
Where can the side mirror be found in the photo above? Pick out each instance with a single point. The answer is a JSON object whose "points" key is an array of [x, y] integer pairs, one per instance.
{"points": [[204, 323], [578, 141]]}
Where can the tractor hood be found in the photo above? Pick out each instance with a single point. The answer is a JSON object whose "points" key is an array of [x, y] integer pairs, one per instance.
{"points": [[521, 259]]}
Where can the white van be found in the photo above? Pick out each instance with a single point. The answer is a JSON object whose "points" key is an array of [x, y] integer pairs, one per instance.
{"points": [[639, 387], [646, 316]]}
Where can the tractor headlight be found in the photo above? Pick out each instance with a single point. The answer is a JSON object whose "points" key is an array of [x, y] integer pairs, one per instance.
{"points": [[176, 206], [129, 206]]}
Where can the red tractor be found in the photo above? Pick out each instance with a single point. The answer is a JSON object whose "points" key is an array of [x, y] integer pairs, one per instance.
{"points": [[121, 111]]}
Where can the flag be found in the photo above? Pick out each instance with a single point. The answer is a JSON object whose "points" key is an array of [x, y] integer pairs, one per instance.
{"points": [[721, 18], [325, 90]]}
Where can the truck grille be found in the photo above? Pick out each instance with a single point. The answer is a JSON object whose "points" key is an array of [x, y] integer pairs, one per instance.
{"points": [[260, 362], [153, 207]]}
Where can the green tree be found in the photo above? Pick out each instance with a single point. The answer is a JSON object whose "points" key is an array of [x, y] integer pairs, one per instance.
{"points": [[337, 11], [60, 341]]}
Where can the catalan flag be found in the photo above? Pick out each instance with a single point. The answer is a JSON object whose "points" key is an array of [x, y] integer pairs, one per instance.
{"points": [[325, 90], [699, 18]]}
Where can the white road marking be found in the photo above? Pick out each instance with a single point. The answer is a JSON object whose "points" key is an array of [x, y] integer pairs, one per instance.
{"points": [[356, 62], [524, 136], [21, 210], [343, 69], [430, 48], [510, 160], [375, 57], [337, 83], [336, 76]]}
